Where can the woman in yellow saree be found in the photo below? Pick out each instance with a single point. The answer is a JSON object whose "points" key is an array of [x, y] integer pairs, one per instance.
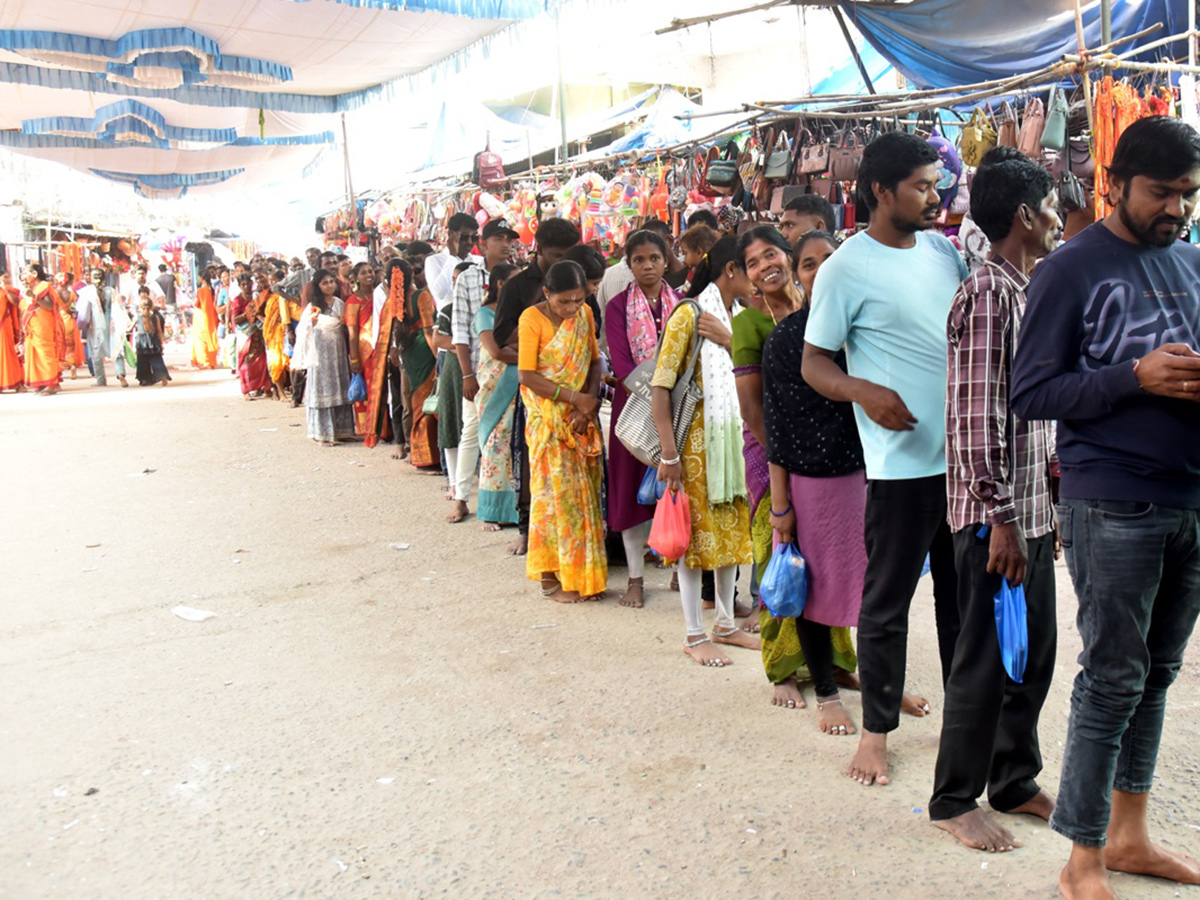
{"points": [[559, 372], [279, 315], [204, 325]]}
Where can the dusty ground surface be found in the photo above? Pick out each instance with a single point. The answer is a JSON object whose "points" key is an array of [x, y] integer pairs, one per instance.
{"points": [[361, 721]]}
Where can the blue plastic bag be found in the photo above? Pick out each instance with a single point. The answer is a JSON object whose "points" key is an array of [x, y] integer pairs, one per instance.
{"points": [[358, 389], [784, 586], [1012, 628], [651, 489]]}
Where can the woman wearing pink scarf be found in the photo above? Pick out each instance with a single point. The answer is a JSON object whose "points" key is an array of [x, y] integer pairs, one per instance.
{"points": [[632, 322]]}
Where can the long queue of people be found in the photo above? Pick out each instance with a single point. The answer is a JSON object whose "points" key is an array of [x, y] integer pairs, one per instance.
{"points": [[872, 402]]}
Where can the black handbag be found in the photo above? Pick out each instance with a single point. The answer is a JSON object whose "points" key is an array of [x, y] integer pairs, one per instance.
{"points": [[723, 172], [1071, 194]]}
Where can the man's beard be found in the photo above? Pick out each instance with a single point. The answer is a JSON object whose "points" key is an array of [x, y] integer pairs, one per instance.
{"points": [[1149, 234]]}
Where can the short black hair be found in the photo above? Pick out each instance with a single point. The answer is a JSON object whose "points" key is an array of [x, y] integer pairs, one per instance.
{"points": [[1000, 189], [999, 154], [496, 279], [162, 267], [1158, 147], [463, 266], [703, 217], [658, 226], [889, 159], [646, 235], [806, 239], [565, 275], [723, 252], [418, 248], [591, 259], [461, 221], [561, 234], [814, 205]]}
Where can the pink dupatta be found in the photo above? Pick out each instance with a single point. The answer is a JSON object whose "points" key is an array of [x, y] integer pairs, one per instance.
{"points": [[639, 320]]}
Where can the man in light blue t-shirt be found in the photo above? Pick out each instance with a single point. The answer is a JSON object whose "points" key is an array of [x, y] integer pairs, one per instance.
{"points": [[884, 297]]}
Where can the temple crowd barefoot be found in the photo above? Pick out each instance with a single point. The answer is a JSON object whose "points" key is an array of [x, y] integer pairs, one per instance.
{"points": [[737, 638], [520, 546], [1041, 805], [458, 512], [979, 831], [914, 705], [832, 717], [787, 694], [491, 527], [552, 589], [869, 765], [1085, 877], [701, 649], [634, 596], [848, 680], [1150, 859]]}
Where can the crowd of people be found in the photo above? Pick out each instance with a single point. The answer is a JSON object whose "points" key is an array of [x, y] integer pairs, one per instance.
{"points": [[870, 402]]}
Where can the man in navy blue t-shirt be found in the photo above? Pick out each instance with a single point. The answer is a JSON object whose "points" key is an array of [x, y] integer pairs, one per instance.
{"points": [[1109, 348]]}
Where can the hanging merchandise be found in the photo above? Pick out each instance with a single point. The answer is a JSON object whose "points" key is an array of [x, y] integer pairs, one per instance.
{"points": [[1006, 133], [1054, 129], [978, 137], [489, 168], [1117, 106], [1029, 139], [949, 164]]}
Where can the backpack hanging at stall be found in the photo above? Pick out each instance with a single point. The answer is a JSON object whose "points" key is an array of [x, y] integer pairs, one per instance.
{"points": [[489, 169]]}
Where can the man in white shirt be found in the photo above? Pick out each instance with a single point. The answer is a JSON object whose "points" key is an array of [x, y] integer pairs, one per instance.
{"points": [[463, 234], [93, 304]]}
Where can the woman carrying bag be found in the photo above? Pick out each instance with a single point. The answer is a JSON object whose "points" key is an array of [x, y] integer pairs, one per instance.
{"points": [[709, 465]]}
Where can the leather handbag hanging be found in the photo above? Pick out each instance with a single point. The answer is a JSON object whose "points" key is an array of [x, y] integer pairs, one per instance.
{"points": [[1054, 130], [978, 137], [845, 156], [822, 185], [814, 158], [1029, 139], [1071, 193], [1006, 134], [722, 172], [779, 155]]}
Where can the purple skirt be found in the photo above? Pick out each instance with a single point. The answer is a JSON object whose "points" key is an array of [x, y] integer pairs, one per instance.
{"points": [[829, 531]]}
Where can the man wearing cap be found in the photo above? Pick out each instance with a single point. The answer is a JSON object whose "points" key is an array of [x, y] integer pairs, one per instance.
{"points": [[469, 295]]}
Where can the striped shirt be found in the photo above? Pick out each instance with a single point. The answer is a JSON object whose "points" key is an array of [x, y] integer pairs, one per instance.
{"points": [[997, 466]]}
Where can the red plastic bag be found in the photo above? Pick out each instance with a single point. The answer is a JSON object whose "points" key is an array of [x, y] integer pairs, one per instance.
{"points": [[671, 532]]}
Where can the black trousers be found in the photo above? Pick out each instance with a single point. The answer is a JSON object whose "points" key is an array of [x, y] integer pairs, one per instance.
{"points": [[299, 378], [905, 520], [395, 389], [989, 728]]}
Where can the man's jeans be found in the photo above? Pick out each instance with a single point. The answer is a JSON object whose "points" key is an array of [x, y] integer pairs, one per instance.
{"points": [[1136, 570]]}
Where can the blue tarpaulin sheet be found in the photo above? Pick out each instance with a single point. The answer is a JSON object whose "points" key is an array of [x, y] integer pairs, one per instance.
{"points": [[944, 43]]}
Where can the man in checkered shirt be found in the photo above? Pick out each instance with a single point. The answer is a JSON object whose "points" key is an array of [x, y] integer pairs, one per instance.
{"points": [[1001, 514]]}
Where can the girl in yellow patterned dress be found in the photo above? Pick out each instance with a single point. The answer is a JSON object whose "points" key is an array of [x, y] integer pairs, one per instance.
{"points": [[558, 364], [709, 466]]}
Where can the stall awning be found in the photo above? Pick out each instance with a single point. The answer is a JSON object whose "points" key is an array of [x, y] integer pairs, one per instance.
{"points": [[171, 97]]}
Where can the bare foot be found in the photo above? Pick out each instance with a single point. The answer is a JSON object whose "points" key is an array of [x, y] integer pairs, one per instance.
{"points": [[634, 597], [328, 443], [751, 625], [741, 610], [914, 705], [709, 604], [736, 638], [595, 598], [553, 590], [848, 680], [787, 694], [977, 830], [1152, 860], [1040, 805], [674, 581], [701, 649], [448, 495], [400, 453], [870, 765], [458, 513], [1085, 878], [832, 717], [520, 546], [490, 527]]}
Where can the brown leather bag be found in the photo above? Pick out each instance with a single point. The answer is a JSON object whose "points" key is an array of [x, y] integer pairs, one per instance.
{"points": [[845, 157], [814, 156], [1006, 134]]}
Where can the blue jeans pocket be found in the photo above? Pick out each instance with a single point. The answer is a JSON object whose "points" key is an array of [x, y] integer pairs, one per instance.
{"points": [[1120, 510]]}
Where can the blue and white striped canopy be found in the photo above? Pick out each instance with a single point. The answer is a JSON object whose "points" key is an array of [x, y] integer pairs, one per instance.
{"points": [[172, 97]]}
